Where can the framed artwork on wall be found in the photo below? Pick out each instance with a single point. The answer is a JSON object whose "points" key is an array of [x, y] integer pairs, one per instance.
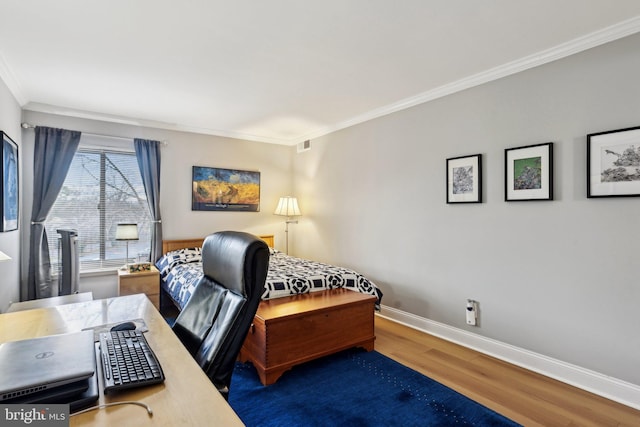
{"points": [[529, 172], [217, 189], [613, 163], [464, 179], [10, 173]]}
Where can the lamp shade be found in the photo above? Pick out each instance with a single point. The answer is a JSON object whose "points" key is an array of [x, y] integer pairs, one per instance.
{"points": [[127, 232], [288, 206], [4, 257]]}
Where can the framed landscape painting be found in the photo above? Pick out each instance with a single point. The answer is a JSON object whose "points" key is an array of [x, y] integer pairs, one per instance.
{"points": [[613, 163], [529, 172], [464, 179], [217, 189], [9, 190]]}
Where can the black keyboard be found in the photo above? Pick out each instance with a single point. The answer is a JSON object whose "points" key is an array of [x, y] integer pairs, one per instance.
{"points": [[128, 361]]}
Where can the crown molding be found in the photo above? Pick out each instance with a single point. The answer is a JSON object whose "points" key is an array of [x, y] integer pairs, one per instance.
{"points": [[112, 118], [577, 45], [594, 39], [12, 83]]}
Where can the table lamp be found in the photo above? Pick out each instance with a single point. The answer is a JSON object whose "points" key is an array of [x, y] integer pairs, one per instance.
{"points": [[127, 232]]}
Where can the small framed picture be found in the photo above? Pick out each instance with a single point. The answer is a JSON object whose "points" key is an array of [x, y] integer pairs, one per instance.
{"points": [[613, 163], [529, 172], [464, 179], [9, 190]]}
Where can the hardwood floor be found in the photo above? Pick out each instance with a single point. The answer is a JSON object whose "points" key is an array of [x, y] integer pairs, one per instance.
{"points": [[521, 395]]}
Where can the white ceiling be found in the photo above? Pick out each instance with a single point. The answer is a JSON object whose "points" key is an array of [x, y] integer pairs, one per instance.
{"points": [[280, 71]]}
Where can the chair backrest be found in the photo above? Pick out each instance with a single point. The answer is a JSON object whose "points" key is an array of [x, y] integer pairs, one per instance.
{"points": [[216, 319]]}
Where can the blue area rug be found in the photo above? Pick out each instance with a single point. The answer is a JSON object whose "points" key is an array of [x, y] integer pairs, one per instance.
{"points": [[353, 388]]}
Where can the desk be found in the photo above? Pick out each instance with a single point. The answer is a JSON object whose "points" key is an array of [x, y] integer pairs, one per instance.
{"points": [[50, 302], [186, 398]]}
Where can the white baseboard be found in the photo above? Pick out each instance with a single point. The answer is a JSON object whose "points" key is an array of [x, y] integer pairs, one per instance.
{"points": [[611, 388]]}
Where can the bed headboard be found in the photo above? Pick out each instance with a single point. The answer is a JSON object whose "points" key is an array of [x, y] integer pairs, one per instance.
{"points": [[172, 245]]}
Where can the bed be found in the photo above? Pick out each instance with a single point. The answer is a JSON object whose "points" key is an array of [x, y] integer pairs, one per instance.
{"points": [[309, 309], [181, 268]]}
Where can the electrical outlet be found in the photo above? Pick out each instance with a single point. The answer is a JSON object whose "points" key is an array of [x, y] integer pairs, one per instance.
{"points": [[472, 312]]}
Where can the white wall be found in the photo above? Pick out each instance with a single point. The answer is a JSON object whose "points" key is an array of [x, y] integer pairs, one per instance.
{"points": [[559, 278], [10, 241], [182, 151]]}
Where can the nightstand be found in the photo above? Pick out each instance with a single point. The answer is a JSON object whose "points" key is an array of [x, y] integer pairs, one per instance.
{"points": [[145, 282]]}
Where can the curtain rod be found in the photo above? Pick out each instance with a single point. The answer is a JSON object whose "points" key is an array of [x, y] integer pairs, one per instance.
{"points": [[26, 125]]}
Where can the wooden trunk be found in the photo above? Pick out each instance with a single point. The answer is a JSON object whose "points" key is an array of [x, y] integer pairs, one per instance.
{"points": [[292, 330]]}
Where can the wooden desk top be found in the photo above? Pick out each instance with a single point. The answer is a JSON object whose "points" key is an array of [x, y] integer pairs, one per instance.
{"points": [[50, 302], [186, 398]]}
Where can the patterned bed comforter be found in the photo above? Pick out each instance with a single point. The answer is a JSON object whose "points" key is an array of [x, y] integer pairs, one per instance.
{"points": [[181, 270]]}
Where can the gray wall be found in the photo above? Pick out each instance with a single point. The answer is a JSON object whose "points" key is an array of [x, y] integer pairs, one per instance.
{"points": [[559, 278], [10, 241]]}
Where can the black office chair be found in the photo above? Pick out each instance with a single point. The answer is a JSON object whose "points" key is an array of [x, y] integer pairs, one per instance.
{"points": [[216, 319]]}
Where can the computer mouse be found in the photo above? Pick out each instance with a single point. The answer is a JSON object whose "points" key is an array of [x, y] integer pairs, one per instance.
{"points": [[126, 326]]}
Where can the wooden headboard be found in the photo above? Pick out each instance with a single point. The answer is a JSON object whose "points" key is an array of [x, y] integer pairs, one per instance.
{"points": [[172, 245]]}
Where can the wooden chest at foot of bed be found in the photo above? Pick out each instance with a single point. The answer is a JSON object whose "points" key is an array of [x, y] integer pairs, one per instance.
{"points": [[291, 330]]}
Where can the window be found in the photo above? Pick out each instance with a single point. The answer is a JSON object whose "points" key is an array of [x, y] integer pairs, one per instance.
{"points": [[103, 188]]}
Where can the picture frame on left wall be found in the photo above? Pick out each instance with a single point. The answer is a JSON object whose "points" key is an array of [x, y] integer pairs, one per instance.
{"points": [[9, 190]]}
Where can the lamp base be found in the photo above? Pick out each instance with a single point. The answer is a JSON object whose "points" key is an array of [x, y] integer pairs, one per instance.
{"points": [[286, 232]]}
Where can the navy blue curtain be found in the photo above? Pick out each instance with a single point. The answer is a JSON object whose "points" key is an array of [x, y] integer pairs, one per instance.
{"points": [[148, 155], [53, 152]]}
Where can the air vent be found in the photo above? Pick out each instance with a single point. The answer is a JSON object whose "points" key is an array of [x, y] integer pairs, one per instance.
{"points": [[304, 146], [11, 395]]}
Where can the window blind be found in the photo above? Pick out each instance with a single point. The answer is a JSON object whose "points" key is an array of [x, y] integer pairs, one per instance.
{"points": [[103, 188]]}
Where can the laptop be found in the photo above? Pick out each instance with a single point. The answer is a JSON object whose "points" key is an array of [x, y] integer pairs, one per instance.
{"points": [[51, 365], [77, 395]]}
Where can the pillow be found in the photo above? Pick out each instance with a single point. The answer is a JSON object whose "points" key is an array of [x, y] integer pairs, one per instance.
{"points": [[180, 256]]}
